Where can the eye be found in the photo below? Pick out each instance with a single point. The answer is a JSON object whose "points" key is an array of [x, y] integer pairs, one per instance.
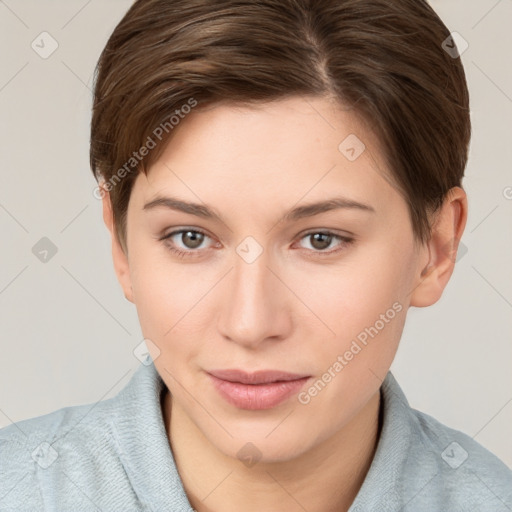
{"points": [[190, 240], [320, 241]]}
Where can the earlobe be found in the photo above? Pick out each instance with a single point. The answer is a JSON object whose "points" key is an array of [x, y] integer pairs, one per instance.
{"points": [[119, 257], [442, 249]]}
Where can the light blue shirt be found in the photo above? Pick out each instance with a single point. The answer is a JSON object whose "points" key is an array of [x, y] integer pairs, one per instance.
{"points": [[115, 456]]}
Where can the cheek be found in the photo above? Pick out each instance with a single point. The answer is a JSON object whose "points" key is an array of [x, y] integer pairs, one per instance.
{"points": [[167, 298], [363, 302], [351, 296], [350, 366]]}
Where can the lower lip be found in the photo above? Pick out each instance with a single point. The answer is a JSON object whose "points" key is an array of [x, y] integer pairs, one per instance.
{"points": [[257, 396]]}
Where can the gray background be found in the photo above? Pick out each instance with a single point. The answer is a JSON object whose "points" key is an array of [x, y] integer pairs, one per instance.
{"points": [[68, 333]]}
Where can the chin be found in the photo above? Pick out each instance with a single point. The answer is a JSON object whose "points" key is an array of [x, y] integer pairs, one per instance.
{"points": [[266, 444]]}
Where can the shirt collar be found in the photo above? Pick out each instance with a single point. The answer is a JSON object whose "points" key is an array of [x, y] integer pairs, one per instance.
{"points": [[139, 430], [381, 484]]}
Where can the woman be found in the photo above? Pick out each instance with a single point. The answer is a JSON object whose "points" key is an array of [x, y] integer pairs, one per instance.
{"points": [[282, 181]]}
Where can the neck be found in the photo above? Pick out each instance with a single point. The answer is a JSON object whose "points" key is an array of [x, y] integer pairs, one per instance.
{"points": [[324, 479]]}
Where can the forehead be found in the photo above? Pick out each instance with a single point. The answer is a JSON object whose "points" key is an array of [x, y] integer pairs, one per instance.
{"points": [[283, 150]]}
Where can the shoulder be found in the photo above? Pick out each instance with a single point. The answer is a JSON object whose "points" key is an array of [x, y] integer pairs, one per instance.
{"points": [[67, 422], [99, 456], [456, 469], [34, 451], [422, 465]]}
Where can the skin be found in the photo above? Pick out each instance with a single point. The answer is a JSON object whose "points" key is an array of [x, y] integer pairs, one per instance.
{"points": [[291, 309]]}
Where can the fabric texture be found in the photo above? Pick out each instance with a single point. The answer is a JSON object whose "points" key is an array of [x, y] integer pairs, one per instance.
{"points": [[114, 455]]}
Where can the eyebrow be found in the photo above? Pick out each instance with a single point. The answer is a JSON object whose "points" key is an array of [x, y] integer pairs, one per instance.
{"points": [[300, 212]]}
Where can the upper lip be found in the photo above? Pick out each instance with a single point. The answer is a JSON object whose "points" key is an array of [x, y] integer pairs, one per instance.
{"points": [[259, 377]]}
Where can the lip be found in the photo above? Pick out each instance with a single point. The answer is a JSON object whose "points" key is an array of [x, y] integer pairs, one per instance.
{"points": [[263, 389]]}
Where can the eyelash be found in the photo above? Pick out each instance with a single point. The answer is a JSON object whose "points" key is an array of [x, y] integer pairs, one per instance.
{"points": [[345, 242]]}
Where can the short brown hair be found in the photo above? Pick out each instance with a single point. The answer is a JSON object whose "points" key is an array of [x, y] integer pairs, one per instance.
{"points": [[385, 59]]}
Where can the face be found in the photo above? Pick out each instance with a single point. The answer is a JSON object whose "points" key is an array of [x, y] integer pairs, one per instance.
{"points": [[255, 280]]}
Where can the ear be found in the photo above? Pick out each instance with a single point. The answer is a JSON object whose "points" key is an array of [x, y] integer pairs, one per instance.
{"points": [[120, 258], [441, 250]]}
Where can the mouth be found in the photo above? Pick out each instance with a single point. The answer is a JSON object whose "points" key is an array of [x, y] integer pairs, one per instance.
{"points": [[259, 390]]}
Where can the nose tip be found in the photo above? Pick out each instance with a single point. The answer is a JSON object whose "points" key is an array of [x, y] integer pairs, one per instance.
{"points": [[255, 307]]}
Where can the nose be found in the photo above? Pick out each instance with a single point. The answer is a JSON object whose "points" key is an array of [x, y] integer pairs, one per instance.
{"points": [[257, 306]]}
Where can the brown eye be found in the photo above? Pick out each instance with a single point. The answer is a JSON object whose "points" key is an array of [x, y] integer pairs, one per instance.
{"points": [[185, 241], [325, 243]]}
